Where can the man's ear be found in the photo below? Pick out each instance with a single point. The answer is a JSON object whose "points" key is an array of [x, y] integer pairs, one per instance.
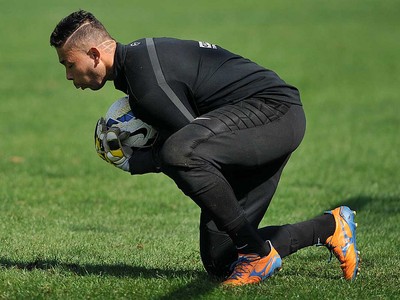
{"points": [[94, 54]]}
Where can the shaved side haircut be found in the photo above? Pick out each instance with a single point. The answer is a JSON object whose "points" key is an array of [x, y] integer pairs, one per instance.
{"points": [[77, 29]]}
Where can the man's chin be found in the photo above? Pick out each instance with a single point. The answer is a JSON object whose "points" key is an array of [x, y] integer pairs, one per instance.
{"points": [[96, 88], [93, 87]]}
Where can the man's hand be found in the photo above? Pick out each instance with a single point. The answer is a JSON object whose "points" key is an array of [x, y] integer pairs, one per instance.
{"points": [[109, 147], [116, 153]]}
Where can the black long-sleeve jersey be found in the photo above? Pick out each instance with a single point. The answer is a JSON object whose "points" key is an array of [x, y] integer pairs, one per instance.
{"points": [[170, 82]]}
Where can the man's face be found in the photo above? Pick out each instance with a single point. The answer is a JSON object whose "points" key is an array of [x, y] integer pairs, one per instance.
{"points": [[84, 68]]}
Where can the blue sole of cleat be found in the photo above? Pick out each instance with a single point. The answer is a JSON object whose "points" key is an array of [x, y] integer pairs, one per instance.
{"points": [[348, 215]]}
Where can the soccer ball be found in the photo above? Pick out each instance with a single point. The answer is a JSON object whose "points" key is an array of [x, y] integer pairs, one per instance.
{"points": [[120, 115]]}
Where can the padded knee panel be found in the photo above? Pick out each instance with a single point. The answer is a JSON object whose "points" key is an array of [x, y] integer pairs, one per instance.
{"points": [[177, 150]]}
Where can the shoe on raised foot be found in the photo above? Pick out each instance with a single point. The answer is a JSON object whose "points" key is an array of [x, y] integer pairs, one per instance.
{"points": [[343, 241], [251, 268]]}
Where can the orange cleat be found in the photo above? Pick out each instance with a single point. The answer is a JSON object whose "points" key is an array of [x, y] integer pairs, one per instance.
{"points": [[343, 241], [251, 268]]}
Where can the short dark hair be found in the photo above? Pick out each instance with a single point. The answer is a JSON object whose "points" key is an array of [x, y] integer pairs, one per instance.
{"points": [[68, 25]]}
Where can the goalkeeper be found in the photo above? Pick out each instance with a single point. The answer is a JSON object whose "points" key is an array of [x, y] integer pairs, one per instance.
{"points": [[227, 128]]}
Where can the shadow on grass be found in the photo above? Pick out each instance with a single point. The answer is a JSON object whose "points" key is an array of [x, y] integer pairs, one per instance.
{"points": [[111, 270], [200, 285], [378, 205], [193, 290]]}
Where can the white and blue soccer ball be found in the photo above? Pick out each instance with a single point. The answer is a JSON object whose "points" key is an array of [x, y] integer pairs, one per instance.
{"points": [[120, 115]]}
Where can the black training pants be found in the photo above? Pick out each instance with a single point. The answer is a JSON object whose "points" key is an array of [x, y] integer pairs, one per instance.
{"points": [[229, 161]]}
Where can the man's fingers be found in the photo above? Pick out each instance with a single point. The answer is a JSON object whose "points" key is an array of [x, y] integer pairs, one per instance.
{"points": [[112, 141]]}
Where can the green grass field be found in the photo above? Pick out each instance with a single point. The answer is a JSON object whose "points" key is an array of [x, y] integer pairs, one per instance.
{"points": [[72, 227]]}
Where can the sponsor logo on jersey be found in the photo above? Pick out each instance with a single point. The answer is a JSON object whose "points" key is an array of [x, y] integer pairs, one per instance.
{"points": [[207, 45], [134, 44]]}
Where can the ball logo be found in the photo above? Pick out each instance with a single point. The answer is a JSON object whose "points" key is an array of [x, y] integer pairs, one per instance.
{"points": [[139, 131], [120, 115]]}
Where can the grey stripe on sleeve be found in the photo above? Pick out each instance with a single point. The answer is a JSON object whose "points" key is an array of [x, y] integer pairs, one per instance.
{"points": [[162, 82]]}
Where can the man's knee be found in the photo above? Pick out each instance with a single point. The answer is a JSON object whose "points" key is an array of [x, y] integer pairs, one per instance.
{"points": [[179, 149], [215, 269], [175, 152], [216, 249], [217, 263]]}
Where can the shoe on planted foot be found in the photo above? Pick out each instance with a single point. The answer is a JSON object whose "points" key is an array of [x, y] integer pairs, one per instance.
{"points": [[343, 241], [251, 268]]}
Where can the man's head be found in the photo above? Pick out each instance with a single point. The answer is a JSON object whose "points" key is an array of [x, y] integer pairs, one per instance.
{"points": [[85, 48]]}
